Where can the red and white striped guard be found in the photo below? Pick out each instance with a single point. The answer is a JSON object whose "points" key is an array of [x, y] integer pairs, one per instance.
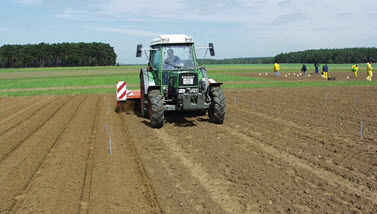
{"points": [[122, 91]]}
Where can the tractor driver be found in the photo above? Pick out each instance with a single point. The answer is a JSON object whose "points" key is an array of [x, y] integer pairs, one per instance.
{"points": [[172, 61]]}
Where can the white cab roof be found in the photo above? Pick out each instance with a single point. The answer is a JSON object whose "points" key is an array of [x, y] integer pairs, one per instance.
{"points": [[172, 39]]}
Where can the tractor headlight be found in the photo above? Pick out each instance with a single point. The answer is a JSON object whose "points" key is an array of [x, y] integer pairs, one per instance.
{"points": [[181, 91]]}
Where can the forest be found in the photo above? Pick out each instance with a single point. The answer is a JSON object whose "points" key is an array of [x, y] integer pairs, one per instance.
{"points": [[250, 60], [330, 56], [101, 54], [57, 55]]}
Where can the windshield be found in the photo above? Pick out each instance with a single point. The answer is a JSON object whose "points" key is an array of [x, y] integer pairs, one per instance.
{"points": [[177, 57]]}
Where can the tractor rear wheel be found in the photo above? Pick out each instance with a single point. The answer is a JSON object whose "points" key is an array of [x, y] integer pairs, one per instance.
{"points": [[216, 111], [143, 101], [156, 108]]}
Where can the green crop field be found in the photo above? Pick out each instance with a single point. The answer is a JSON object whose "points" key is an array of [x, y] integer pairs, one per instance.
{"points": [[79, 80]]}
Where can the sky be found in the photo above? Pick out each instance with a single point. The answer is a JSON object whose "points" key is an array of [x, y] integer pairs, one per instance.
{"points": [[238, 28]]}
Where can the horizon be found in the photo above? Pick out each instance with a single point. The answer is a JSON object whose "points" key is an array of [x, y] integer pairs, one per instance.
{"points": [[264, 28]]}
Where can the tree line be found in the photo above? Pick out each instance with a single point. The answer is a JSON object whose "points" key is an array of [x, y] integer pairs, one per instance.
{"points": [[330, 56], [250, 60], [57, 55]]}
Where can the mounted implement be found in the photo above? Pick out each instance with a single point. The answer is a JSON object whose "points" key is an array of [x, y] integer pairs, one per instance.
{"points": [[174, 81]]}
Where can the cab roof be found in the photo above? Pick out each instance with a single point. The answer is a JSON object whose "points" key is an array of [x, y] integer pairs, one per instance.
{"points": [[172, 39]]}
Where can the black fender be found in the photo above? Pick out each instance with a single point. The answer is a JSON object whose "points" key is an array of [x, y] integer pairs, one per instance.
{"points": [[215, 84], [150, 88]]}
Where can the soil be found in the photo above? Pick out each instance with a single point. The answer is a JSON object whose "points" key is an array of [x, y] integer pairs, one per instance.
{"points": [[280, 150]]}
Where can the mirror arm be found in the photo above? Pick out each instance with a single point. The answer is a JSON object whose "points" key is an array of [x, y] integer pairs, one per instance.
{"points": [[204, 56]]}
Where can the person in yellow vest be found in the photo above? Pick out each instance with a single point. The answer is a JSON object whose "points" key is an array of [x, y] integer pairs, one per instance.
{"points": [[355, 69], [369, 71], [277, 69], [325, 69]]}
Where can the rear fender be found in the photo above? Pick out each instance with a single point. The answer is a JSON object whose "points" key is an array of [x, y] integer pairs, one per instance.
{"points": [[215, 84], [150, 88]]}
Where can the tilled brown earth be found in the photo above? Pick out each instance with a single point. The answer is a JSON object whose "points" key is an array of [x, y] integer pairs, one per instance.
{"points": [[288, 150]]}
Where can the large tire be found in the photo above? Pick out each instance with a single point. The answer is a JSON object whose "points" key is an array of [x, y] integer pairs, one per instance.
{"points": [[216, 111], [143, 100], [156, 108]]}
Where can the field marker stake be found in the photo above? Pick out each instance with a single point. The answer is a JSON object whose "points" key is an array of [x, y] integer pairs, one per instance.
{"points": [[107, 130], [326, 97], [354, 101], [108, 108], [104, 97], [253, 104], [361, 129], [235, 100], [110, 146]]}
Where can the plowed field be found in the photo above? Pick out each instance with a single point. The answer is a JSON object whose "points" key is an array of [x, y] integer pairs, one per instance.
{"points": [[290, 150]]}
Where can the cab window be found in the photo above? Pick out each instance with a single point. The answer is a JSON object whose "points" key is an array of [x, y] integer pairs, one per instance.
{"points": [[156, 58]]}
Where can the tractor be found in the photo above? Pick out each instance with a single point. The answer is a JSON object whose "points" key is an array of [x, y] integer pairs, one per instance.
{"points": [[174, 81]]}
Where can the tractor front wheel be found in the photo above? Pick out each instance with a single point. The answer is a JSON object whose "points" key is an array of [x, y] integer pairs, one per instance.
{"points": [[156, 108], [216, 111]]}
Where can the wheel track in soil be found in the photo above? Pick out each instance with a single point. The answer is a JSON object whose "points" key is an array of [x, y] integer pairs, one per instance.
{"points": [[54, 144], [21, 120], [168, 137], [141, 165], [338, 135], [317, 138], [252, 178], [300, 171], [292, 171], [297, 162], [88, 175], [309, 133], [4, 157], [302, 138], [175, 192], [118, 182], [217, 191]]}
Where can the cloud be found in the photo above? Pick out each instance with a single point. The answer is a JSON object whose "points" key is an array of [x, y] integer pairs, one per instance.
{"points": [[130, 32], [29, 2], [144, 7], [76, 15], [290, 18]]}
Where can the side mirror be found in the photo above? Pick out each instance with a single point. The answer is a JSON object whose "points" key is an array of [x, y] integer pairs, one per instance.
{"points": [[211, 49], [138, 50]]}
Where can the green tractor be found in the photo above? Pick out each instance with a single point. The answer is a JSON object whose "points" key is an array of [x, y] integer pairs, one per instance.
{"points": [[174, 81]]}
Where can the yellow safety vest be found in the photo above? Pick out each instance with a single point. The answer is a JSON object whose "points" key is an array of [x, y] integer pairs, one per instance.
{"points": [[276, 67], [369, 67]]}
